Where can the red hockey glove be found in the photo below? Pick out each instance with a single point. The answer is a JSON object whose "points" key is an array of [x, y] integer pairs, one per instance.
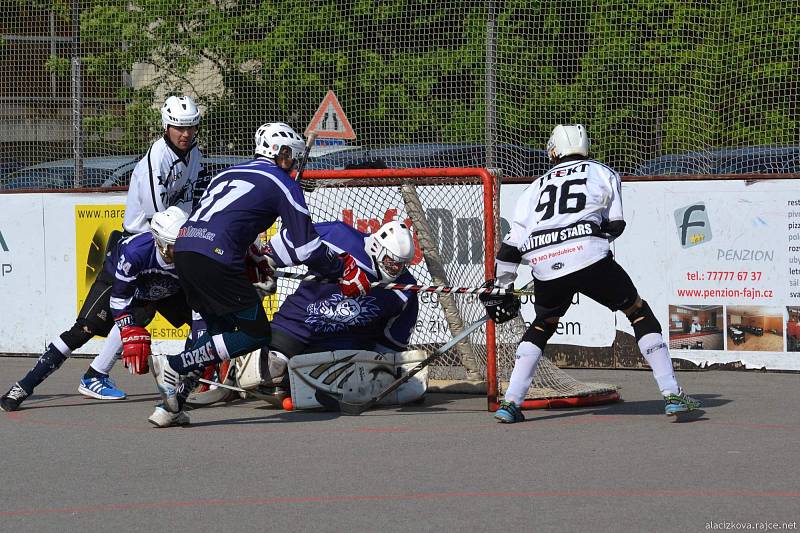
{"points": [[260, 270], [354, 282], [135, 349]]}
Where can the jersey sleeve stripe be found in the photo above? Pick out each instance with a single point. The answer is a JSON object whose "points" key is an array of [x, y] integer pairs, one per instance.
{"points": [[273, 179], [305, 251], [120, 303], [150, 175]]}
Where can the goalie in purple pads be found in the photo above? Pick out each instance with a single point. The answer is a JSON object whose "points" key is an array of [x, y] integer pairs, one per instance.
{"points": [[317, 317], [562, 225], [211, 254], [138, 279]]}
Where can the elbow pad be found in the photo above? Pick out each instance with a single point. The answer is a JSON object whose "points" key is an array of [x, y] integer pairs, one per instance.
{"points": [[613, 227], [505, 265]]}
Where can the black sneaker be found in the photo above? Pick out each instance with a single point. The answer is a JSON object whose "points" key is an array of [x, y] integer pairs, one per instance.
{"points": [[11, 400]]}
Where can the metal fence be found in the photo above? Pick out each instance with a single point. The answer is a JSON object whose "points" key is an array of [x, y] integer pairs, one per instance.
{"points": [[701, 87]]}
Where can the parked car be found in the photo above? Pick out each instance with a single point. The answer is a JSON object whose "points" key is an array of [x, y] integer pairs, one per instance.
{"points": [[513, 160], [111, 171], [749, 160], [98, 172]]}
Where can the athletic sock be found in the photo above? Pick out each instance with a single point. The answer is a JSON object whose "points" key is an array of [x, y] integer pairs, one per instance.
{"points": [[527, 357], [92, 373], [202, 354], [656, 353], [109, 353], [48, 362]]}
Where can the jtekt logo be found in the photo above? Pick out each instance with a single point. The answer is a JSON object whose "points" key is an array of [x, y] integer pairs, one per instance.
{"points": [[693, 225]]}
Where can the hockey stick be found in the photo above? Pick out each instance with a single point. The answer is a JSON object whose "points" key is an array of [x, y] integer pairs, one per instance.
{"points": [[301, 165], [414, 288], [355, 409], [257, 395]]}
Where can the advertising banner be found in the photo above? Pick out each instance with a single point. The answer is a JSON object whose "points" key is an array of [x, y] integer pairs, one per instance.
{"points": [[718, 262]]}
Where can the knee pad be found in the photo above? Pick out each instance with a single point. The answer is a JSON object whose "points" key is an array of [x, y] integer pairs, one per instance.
{"points": [[77, 336], [644, 321], [540, 332]]}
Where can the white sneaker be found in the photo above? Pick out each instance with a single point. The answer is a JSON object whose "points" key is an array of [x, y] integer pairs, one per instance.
{"points": [[167, 381], [162, 418]]}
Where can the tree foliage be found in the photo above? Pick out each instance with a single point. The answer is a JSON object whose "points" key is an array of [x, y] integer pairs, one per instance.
{"points": [[648, 77]]}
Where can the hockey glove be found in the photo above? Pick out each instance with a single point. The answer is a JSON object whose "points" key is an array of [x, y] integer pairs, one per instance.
{"points": [[135, 346], [260, 269], [354, 282], [612, 228], [499, 308]]}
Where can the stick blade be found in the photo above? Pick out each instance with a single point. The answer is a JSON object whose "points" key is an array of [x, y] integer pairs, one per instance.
{"points": [[331, 403]]}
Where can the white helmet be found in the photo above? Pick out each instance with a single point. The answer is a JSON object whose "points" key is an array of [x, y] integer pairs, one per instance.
{"points": [[180, 111], [570, 139], [165, 226], [391, 249], [271, 137]]}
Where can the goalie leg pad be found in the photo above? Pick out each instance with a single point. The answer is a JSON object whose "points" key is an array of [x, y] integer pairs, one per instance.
{"points": [[261, 367], [540, 331], [356, 376], [643, 320]]}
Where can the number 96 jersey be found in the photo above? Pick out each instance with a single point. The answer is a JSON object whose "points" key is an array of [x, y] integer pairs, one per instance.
{"points": [[557, 220]]}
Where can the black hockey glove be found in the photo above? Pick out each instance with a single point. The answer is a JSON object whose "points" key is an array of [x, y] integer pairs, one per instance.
{"points": [[499, 308], [614, 228]]}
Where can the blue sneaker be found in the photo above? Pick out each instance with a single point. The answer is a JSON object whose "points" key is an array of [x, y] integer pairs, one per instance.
{"points": [[676, 404], [509, 413], [100, 387]]}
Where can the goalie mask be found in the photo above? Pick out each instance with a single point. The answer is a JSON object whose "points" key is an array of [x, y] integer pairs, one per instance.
{"points": [[165, 226], [391, 249], [179, 111], [566, 140], [271, 137]]}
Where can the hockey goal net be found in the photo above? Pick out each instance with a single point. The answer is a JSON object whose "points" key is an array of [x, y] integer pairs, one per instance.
{"points": [[454, 216]]}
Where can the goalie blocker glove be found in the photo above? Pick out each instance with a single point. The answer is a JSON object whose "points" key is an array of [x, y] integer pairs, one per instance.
{"points": [[135, 345], [499, 308], [354, 281]]}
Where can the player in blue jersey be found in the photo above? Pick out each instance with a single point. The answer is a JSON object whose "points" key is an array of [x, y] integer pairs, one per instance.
{"points": [[318, 317], [240, 203], [138, 280]]}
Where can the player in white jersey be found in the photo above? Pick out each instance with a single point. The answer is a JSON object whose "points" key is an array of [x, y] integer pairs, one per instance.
{"points": [[167, 174], [170, 174], [562, 227]]}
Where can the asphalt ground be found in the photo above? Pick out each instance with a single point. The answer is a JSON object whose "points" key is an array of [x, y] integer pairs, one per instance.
{"points": [[73, 464]]}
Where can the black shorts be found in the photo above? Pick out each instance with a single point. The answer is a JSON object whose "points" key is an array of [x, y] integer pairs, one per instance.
{"points": [[174, 308], [605, 282], [213, 288], [95, 312]]}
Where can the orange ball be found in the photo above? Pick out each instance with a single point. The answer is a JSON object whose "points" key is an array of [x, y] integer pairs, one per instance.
{"points": [[287, 404]]}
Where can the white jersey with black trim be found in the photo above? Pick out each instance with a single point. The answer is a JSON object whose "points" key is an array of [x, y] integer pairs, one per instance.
{"points": [[160, 180], [557, 220]]}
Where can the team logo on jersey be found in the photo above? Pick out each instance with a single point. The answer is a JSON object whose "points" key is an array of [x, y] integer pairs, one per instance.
{"points": [[339, 313], [153, 287], [693, 225]]}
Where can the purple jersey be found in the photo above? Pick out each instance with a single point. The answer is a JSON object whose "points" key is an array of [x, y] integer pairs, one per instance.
{"points": [[241, 202], [319, 314], [139, 272]]}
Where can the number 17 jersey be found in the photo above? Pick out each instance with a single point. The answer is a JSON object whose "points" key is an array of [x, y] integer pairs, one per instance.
{"points": [[557, 219]]}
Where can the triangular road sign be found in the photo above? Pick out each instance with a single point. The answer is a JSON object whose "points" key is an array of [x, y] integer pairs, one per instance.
{"points": [[330, 121]]}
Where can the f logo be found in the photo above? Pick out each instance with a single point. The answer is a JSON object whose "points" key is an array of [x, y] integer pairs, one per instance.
{"points": [[693, 225]]}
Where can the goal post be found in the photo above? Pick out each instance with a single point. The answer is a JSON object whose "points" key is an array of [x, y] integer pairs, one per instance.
{"points": [[454, 214]]}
